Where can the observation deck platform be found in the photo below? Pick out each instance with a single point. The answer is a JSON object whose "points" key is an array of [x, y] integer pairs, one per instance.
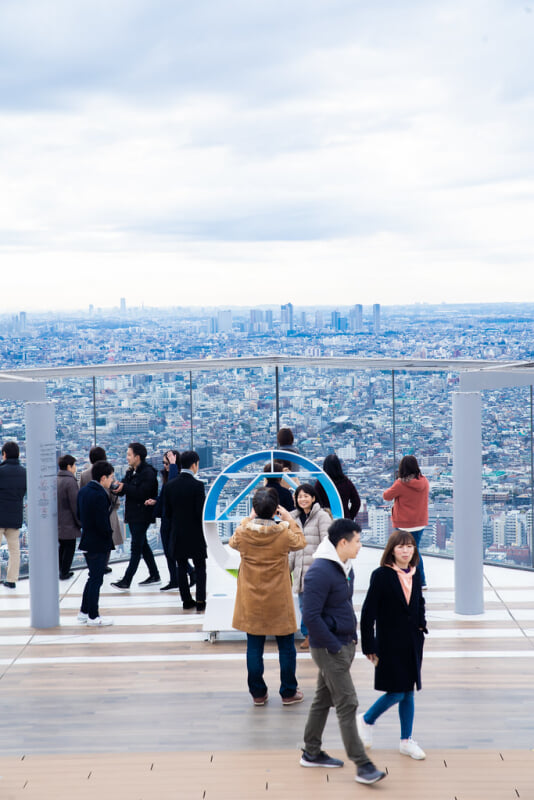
{"points": [[148, 709]]}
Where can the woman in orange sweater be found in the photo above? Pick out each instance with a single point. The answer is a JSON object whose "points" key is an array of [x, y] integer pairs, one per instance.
{"points": [[410, 503]]}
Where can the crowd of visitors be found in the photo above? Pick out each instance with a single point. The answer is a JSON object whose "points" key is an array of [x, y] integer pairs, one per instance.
{"points": [[289, 545]]}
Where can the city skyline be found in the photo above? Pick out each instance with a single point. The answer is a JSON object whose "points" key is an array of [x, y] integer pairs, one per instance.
{"points": [[226, 154]]}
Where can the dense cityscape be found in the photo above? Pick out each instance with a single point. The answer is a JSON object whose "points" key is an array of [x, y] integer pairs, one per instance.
{"points": [[233, 412]]}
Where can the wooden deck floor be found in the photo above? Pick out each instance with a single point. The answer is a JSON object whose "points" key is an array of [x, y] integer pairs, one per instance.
{"points": [[149, 709], [263, 775]]}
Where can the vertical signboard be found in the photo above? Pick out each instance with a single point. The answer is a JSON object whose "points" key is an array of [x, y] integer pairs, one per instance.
{"points": [[42, 514]]}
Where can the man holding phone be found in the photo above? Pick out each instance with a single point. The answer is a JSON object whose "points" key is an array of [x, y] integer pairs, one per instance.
{"points": [[264, 601]]}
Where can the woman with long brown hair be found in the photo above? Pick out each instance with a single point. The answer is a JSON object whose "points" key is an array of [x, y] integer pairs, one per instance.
{"points": [[393, 626]]}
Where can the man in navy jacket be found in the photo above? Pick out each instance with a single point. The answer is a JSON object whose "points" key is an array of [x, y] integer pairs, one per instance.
{"points": [[97, 539], [328, 614]]}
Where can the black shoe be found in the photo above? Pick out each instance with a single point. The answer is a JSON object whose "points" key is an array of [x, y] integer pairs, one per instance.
{"points": [[169, 586], [201, 605], [107, 570], [10, 584], [192, 578], [187, 604], [121, 585], [66, 577], [368, 773], [322, 759], [151, 580]]}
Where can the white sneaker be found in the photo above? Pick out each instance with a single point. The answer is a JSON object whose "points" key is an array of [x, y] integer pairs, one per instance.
{"points": [[82, 618], [408, 747], [365, 731], [98, 622]]}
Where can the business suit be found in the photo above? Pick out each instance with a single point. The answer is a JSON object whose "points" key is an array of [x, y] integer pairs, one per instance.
{"points": [[184, 502]]}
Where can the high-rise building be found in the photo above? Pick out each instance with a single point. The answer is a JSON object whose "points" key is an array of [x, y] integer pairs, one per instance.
{"points": [[123, 305], [287, 317], [356, 318], [376, 318], [224, 321], [269, 319]]}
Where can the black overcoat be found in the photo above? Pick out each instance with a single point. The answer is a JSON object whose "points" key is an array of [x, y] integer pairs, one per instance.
{"points": [[184, 502], [394, 630]]}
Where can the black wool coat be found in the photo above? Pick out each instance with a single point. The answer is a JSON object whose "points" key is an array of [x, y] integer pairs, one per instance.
{"points": [[394, 630], [184, 502]]}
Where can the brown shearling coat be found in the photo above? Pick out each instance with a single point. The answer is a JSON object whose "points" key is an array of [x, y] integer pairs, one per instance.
{"points": [[264, 600]]}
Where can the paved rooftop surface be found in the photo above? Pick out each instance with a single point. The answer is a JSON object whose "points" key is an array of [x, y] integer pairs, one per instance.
{"points": [[148, 708]]}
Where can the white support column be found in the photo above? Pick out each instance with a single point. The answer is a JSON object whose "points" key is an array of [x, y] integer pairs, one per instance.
{"points": [[42, 514], [467, 466]]}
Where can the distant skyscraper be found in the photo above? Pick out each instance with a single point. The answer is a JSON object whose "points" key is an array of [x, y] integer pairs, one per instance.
{"points": [[376, 318], [269, 319], [224, 320], [302, 319], [287, 316], [319, 320], [123, 305], [356, 318], [334, 320], [22, 320]]}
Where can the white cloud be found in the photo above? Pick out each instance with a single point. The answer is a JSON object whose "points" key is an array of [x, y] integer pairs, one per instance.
{"points": [[384, 149]]}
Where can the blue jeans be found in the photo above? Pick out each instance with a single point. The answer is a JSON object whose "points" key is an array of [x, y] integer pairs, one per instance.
{"points": [[303, 628], [420, 567], [406, 710], [287, 656], [97, 563]]}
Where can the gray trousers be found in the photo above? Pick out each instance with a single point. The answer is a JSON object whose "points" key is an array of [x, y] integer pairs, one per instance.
{"points": [[334, 688]]}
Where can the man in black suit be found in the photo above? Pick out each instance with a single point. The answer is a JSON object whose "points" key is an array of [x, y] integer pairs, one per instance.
{"points": [[97, 539], [138, 485], [184, 502]]}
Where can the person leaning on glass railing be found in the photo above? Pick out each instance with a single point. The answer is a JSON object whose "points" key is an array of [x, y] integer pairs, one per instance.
{"points": [[410, 504]]}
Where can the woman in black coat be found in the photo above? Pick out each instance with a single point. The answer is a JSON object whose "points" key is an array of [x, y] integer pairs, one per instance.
{"points": [[345, 487], [393, 626]]}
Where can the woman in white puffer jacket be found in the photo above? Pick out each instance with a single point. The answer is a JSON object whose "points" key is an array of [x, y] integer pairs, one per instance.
{"points": [[315, 522]]}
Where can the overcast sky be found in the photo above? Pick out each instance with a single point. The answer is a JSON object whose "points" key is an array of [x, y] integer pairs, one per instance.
{"points": [[199, 152]]}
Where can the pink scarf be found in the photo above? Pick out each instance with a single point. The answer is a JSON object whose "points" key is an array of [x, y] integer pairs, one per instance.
{"points": [[405, 579]]}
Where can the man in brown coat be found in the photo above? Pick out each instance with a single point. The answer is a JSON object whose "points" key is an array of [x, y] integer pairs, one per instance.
{"points": [[264, 601]]}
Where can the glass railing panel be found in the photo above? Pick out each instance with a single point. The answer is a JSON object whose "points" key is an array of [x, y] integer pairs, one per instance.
{"points": [[506, 476]]}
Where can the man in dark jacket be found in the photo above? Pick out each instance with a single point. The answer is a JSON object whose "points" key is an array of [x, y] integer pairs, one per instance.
{"points": [[329, 616], [184, 502], [68, 524], [12, 491], [96, 541], [139, 484]]}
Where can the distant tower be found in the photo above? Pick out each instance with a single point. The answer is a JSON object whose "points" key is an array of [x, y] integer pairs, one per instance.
{"points": [[224, 320], [287, 316], [356, 318], [334, 320], [91, 309], [269, 319], [376, 318], [22, 320], [123, 305]]}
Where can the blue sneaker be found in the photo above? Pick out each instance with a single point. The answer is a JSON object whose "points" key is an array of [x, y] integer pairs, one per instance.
{"points": [[368, 773], [322, 759]]}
